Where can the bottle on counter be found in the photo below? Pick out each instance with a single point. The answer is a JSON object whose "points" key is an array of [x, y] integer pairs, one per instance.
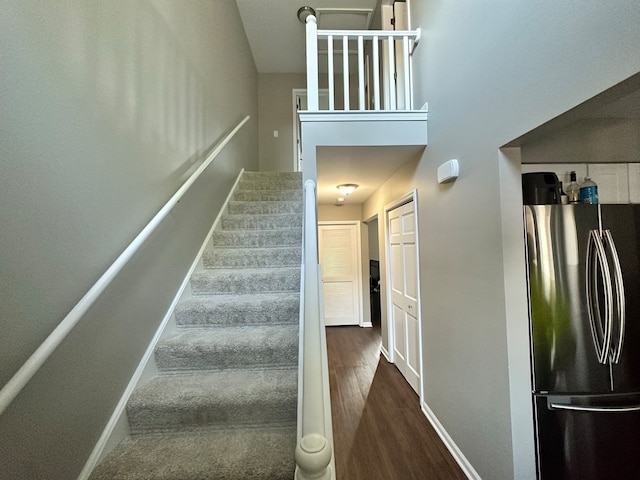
{"points": [[589, 192], [563, 196], [573, 190]]}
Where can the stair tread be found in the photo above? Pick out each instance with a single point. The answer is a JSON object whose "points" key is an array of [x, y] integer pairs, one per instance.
{"points": [[254, 309], [201, 400], [217, 387], [246, 270], [220, 348], [255, 336], [258, 454], [244, 299]]}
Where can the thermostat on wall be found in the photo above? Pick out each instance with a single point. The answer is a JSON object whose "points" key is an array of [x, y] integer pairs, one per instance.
{"points": [[448, 171]]}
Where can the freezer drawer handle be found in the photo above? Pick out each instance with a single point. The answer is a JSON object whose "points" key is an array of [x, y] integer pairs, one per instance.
{"points": [[580, 408]]}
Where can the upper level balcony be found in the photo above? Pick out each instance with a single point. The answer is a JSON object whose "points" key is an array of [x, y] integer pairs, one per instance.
{"points": [[359, 89]]}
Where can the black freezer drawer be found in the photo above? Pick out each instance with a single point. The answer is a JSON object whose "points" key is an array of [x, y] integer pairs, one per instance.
{"points": [[573, 443]]}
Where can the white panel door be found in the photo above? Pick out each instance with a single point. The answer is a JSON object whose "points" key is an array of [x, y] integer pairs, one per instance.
{"points": [[403, 269], [339, 247]]}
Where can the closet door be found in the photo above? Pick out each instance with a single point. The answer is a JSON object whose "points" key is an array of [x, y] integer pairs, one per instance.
{"points": [[403, 265], [339, 246]]}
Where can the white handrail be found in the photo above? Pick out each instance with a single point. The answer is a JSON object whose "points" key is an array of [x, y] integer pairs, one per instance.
{"points": [[314, 452], [15, 385]]}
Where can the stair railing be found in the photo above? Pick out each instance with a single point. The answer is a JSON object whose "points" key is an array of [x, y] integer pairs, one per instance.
{"points": [[20, 379], [379, 54], [314, 452]]}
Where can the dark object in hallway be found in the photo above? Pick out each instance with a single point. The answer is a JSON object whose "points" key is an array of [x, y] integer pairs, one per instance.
{"points": [[378, 428], [374, 291]]}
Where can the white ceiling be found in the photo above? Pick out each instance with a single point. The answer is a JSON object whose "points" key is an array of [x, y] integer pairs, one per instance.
{"points": [[277, 37], [368, 167]]}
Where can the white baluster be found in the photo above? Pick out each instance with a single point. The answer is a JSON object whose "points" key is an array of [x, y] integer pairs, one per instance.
{"points": [[345, 70], [376, 74], [361, 72], [391, 72], [330, 73], [407, 73]]}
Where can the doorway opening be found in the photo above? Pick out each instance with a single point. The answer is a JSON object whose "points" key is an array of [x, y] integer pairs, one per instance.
{"points": [[374, 272], [300, 103]]}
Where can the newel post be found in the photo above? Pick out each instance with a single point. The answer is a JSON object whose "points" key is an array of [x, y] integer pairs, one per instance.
{"points": [[307, 15], [313, 455]]}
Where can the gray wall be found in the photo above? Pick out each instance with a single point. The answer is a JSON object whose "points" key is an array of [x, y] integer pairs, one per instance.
{"points": [[107, 107], [276, 113], [275, 99], [492, 71]]}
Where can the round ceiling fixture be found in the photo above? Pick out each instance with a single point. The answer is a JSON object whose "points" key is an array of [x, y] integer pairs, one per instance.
{"points": [[347, 188]]}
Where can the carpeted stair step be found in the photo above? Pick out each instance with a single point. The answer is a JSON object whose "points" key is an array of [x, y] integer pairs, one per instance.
{"points": [[261, 221], [257, 238], [252, 257], [230, 310], [237, 454], [264, 346], [245, 280], [272, 175], [267, 184], [228, 398], [268, 195], [235, 207]]}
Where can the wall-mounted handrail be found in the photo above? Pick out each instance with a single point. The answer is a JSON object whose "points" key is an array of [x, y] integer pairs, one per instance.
{"points": [[15, 385], [380, 48], [314, 452]]}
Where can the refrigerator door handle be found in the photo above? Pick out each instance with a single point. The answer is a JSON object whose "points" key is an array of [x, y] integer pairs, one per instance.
{"points": [[596, 259], [583, 408], [620, 300]]}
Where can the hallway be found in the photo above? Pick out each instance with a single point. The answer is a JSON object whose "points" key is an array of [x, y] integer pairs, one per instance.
{"points": [[379, 431]]}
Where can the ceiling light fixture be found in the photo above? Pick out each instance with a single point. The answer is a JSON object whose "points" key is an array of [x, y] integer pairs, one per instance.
{"points": [[305, 12], [347, 188]]}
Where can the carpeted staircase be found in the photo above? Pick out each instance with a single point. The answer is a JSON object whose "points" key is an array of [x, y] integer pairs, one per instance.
{"points": [[224, 403]]}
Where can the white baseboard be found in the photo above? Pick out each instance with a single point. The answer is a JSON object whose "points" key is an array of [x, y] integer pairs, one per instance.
{"points": [[366, 325], [457, 454], [385, 353], [117, 426]]}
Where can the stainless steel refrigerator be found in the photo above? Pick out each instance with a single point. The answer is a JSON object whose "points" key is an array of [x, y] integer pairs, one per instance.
{"points": [[584, 300]]}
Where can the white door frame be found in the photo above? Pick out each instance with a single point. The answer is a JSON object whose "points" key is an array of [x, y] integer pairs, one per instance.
{"points": [[359, 285], [406, 198], [323, 96]]}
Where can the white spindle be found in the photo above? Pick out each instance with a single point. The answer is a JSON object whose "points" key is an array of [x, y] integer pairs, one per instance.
{"points": [[330, 73], [312, 63], [361, 71], [345, 70], [405, 63], [376, 74], [392, 82]]}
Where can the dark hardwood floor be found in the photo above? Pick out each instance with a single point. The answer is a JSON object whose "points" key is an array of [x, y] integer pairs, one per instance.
{"points": [[379, 430]]}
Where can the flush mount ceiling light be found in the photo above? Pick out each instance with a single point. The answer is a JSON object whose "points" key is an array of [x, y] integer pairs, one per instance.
{"points": [[304, 12], [347, 188]]}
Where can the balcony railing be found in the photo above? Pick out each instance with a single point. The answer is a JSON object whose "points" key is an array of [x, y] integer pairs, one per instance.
{"points": [[375, 66]]}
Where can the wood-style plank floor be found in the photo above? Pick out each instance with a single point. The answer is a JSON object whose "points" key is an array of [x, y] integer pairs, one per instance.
{"points": [[379, 430]]}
